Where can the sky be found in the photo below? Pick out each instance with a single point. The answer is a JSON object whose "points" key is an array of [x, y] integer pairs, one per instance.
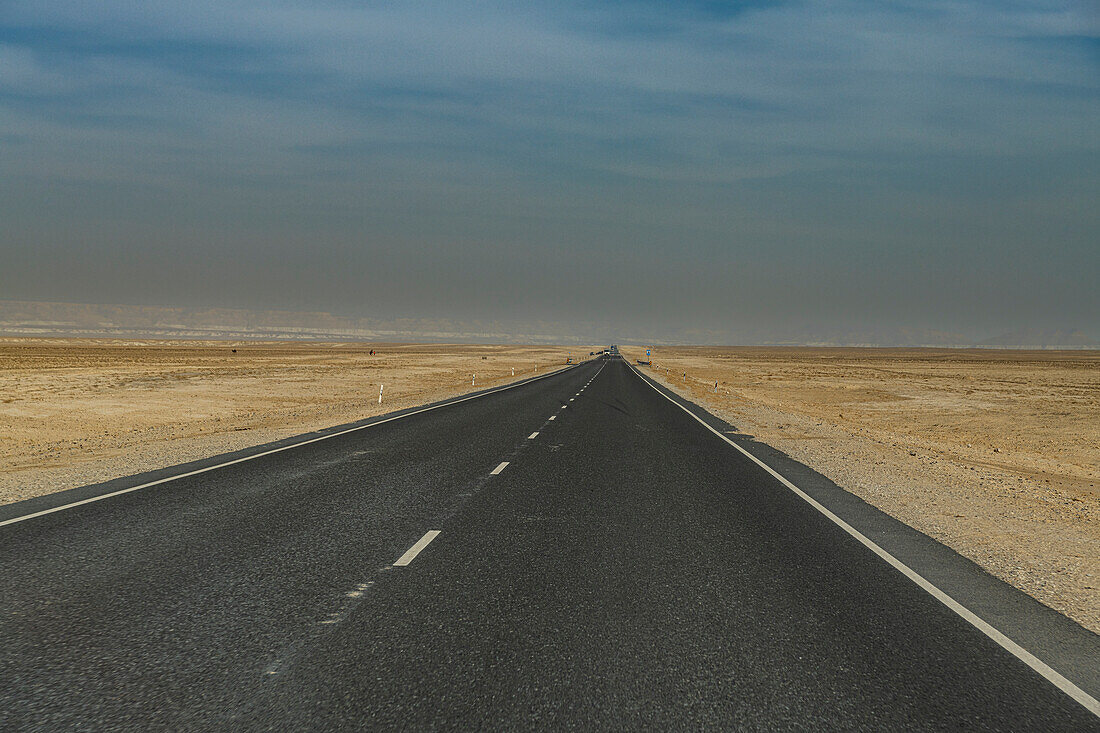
{"points": [[735, 171]]}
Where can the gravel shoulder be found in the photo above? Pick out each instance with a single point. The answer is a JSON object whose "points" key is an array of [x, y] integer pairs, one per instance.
{"points": [[79, 411], [994, 453]]}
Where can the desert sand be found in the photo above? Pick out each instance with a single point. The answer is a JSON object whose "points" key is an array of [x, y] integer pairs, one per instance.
{"points": [[995, 453], [79, 411]]}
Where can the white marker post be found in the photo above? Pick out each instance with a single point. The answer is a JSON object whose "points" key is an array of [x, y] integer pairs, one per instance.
{"points": [[716, 388], [473, 379], [513, 371], [380, 388]]}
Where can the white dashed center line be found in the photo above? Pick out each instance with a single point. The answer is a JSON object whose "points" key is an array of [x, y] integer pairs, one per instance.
{"points": [[533, 435], [498, 469], [415, 550], [553, 417]]}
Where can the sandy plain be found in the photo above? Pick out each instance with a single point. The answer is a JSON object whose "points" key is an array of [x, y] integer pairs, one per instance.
{"points": [[80, 411], [995, 453]]}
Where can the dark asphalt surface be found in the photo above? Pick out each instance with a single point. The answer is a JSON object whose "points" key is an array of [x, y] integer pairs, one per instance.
{"points": [[626, 570]]}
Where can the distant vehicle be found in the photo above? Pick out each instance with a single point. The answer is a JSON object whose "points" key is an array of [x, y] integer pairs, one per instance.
{"points": [[569, 360], [591, 353]]}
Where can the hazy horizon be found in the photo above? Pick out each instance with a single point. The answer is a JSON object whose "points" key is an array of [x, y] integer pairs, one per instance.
{"points": [[666, 169], [21, 319]]}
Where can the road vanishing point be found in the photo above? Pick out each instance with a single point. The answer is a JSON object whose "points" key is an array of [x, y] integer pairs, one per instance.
{"points": [[581, 550]]}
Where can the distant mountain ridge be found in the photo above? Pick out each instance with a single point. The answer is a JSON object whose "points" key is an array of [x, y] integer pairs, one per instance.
{"points": [[915, 337], [1039, 339], [27, 318]]}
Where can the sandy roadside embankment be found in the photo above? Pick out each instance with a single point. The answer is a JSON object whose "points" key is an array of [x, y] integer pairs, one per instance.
{"points": [[995, 453], [80, 411]]}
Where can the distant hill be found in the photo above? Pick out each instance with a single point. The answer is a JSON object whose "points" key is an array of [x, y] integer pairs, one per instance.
{"points": [[1040, 339], [24, 318], [1017, 339], [881, 336], [91, 320]]}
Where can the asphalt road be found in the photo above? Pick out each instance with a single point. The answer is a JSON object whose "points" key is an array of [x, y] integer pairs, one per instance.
{"points": [[626, 569]]}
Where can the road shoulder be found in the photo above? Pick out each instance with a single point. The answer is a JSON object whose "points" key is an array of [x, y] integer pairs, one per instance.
{"points": [[52, 501], [1061, 643]]}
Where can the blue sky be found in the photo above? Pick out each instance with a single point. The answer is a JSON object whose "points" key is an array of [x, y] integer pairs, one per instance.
{"points": [[743, 167]]}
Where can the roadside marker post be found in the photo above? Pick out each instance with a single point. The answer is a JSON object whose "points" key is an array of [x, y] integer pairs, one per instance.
{"points": [[473, 379], [261, 454], [380, 388]]}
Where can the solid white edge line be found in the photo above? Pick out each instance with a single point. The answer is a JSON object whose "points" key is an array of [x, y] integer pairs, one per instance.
{"points": [[503, 465], [197, 471], [533, 435], [1089, 702], [412, 552]]}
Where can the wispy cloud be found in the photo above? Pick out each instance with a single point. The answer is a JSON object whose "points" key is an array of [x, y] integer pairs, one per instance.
{"points": [[719, 147]]}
